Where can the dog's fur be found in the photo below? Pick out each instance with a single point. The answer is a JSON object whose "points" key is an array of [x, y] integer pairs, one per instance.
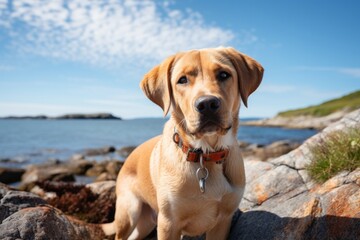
{"points": [[156, 185]]}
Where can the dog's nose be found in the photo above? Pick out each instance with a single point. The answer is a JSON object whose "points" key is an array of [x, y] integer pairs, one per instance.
{"points": [[207, 104]]}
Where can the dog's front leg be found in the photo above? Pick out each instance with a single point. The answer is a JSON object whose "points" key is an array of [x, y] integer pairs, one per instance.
{"points": [[221, 230], [166, 229]]}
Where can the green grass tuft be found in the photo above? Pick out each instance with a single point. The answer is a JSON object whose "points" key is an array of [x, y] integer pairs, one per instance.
{"points": [[339, 152], [349, 102]]}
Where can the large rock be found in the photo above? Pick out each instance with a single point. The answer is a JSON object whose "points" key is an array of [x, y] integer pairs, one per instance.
{"points": [[328, 212], [282, 202], [46, 172], [46, 222], [11, 201], [26, 216]]}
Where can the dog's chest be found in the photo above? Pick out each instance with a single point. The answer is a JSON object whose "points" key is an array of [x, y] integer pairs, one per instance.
{"points": [[200, 212]]}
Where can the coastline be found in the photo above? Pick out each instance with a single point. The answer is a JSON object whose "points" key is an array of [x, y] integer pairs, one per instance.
{"points": [[280, 197], [80, 116], [298, 122], [103, 163]]}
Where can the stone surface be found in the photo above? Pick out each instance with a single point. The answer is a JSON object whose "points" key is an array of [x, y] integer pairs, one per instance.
{"points": [[66, 171], [45, 222], [125, 151], [314, 214], [102, 187], [11, 175], [99, 151], [79, 165], [12, 200], [278, 181], [26, 216], [40, 173], [282, 202]]}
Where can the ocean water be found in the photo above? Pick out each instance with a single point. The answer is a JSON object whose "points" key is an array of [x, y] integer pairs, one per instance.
{"points": [[25, 142]]}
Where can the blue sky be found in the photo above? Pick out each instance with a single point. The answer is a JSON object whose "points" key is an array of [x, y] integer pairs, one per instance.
{"points": [[62, 56]]}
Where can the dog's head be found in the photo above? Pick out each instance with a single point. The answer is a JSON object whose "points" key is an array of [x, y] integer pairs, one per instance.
{"points": [[203, 88]]}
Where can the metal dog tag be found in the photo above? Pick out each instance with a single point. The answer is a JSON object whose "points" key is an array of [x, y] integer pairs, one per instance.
{"points": [[202, 184]]}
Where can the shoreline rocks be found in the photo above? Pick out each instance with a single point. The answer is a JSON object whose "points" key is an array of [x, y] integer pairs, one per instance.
{"points": [[299, 122], [285, 203], [25, 215], [69, 171], [280, 201], [99, 164], [99, 151]]}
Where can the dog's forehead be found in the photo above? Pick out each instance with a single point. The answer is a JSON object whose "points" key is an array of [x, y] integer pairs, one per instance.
{"points": [[196, 61]]}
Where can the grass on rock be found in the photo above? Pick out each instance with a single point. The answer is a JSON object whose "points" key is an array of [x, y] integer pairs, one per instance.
{"points": [[348, 102], [339, 152]]}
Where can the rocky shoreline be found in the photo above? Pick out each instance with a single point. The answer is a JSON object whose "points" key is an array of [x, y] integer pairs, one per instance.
{"points": [[298, 122], [82, 168], [281, 201]]}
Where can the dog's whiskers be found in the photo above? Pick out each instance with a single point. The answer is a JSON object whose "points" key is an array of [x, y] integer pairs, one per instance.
{"points": [[182, 125]]}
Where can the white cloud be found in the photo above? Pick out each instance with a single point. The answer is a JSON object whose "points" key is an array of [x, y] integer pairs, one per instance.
{"points": [[108, 32]]}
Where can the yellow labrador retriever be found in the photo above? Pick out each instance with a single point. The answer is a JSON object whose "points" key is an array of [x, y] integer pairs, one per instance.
{"points": [[189, 180]]}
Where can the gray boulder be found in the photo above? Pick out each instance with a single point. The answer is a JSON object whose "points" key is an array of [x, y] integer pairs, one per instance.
{"points": [[26, 216], [282, 202]]}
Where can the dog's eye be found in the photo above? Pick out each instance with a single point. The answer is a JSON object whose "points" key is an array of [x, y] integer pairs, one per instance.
{"points": [[222, 76], [182, 80]]}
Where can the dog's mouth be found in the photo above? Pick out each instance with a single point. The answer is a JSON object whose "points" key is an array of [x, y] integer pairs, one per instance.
{"points": [[209, 128]]}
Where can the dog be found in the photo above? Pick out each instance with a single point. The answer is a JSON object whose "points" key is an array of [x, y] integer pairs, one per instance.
{"points": [[190, 180]]}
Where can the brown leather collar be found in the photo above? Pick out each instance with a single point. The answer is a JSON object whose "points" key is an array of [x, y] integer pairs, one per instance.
{"points": [[194, 154]]}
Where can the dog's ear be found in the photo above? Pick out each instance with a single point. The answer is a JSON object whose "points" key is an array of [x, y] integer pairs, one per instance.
{"points": [[249, 72], [157, 86]]}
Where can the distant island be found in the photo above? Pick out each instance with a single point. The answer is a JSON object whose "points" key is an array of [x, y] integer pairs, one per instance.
{"points": [[103, 116], [316, 117]]}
